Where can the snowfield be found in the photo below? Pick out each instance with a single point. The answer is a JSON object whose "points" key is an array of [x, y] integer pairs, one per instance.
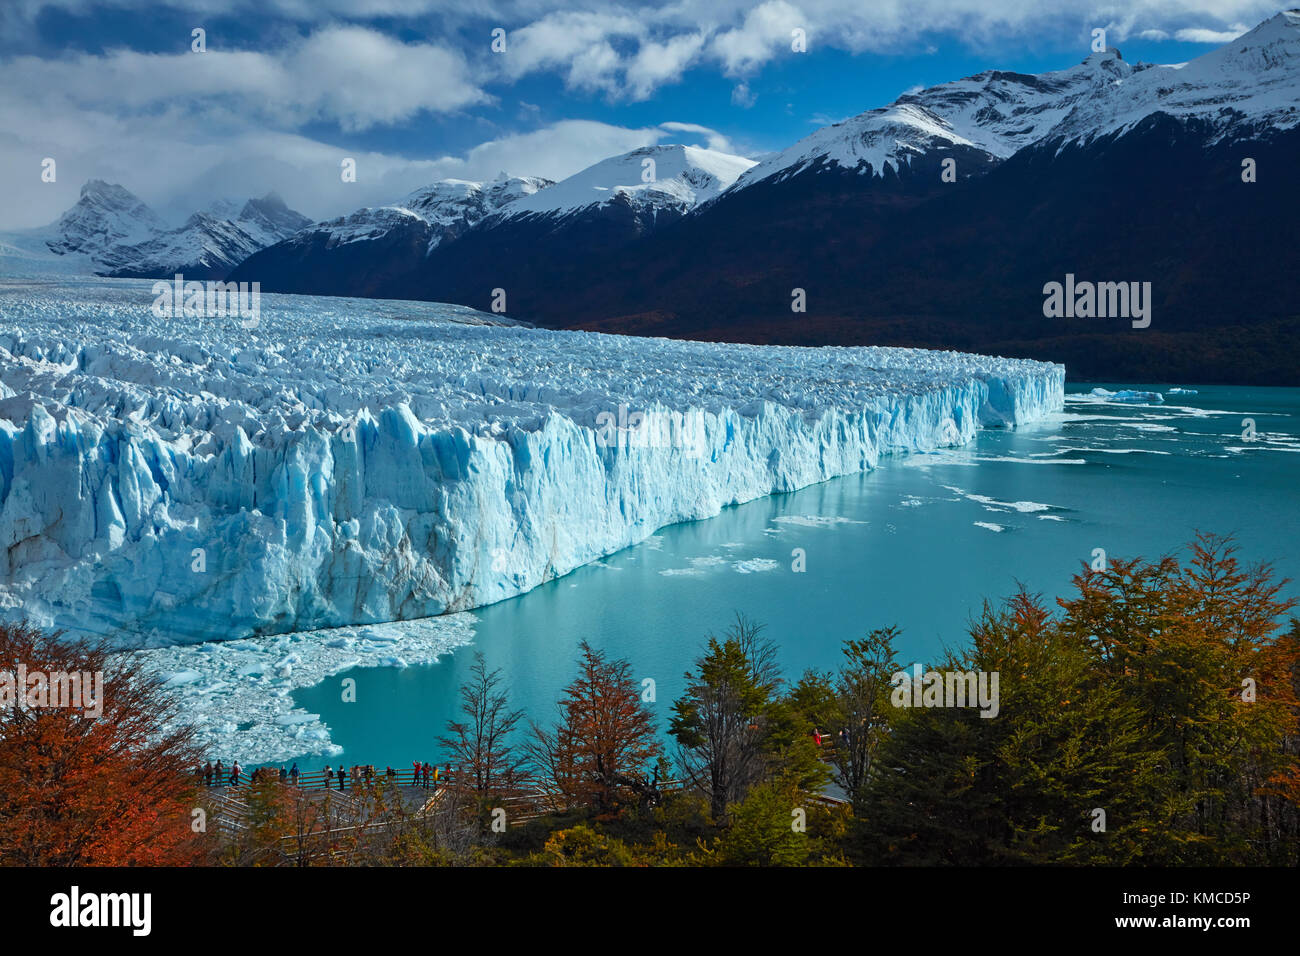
{"points": [[352, 462]]}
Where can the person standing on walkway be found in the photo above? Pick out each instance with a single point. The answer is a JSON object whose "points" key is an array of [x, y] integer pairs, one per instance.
{"points": [[220, 775], [293, 774], [207, 774], [234, 774], [343, 777]]}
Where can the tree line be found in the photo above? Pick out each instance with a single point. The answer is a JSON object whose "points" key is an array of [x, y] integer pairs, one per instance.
{"points": [[1152, 717]]}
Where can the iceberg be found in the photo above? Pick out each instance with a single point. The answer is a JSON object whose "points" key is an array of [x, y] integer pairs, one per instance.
{"points": [[354, 462]]}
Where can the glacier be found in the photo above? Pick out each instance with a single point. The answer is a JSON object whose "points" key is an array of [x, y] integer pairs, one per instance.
{"points": [[354, 462]]}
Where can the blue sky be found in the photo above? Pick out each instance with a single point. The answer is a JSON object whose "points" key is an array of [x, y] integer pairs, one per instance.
{"points": [[413, 90]]}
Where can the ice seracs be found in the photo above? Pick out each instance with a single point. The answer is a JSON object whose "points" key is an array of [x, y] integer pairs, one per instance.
{"points": [[357, 461]]}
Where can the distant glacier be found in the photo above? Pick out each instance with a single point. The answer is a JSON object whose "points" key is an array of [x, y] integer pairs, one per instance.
{"points": [[352, 462]]}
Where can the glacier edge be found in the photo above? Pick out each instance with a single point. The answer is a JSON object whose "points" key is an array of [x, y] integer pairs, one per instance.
{"points": [[144, 495]]}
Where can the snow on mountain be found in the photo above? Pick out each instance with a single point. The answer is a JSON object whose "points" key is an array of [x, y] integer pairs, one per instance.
{"points": [[1253, 80], [672, 177], [105, 216], [1248, 84], [349, 462], [447, 208], [209, 244], [111, 231]]}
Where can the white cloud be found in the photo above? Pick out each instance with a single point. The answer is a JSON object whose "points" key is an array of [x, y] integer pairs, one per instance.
{"points": [[356, 77], [743, 96], [766, 29], [658, 63], [1202, 35], [712, 138]]}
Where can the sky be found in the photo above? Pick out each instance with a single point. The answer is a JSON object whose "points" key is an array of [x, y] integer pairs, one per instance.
{"points": [[413, 91]]}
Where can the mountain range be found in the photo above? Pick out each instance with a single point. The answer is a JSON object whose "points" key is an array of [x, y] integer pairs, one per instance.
{"points": [[110, 231], [935, 221]]}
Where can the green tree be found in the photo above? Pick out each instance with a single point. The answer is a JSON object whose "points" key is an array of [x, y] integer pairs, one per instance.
{"points": [[953, 786], [726, 723]]}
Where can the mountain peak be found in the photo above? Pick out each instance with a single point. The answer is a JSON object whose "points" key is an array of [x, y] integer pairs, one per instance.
{"points": [[662, 175], [99, 188], [1107, 55]]}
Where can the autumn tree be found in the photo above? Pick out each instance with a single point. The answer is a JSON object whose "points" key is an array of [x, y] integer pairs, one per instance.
{"points": [[479, 745], [603, 746], [1195, 647], [1147, 723], [80, 787]]}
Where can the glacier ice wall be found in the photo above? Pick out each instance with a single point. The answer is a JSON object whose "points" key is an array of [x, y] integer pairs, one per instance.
{"points": [[171, 480]]}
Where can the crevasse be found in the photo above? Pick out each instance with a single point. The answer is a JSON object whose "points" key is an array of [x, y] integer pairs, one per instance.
{"points": [[353, 462]]}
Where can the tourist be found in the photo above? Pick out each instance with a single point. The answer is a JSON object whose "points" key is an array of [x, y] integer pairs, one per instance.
{"points": [[234, 774], [207, 774], [219, 773], [293, 774], [343, 777], [329, 777]]}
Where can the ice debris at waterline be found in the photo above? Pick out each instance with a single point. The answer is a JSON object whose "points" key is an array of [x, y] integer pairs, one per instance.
{"points": [[237, 694], [357, 461], [1132, 396]]}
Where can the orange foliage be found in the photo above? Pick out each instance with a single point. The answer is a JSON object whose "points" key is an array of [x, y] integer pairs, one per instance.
{"points": [[83, 790]]}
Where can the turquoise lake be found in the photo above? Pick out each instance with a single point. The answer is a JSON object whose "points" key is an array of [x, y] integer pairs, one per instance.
{"points": [[918, 543]]}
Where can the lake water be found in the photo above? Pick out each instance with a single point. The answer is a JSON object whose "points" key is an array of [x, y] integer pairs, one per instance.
{"points": [[919, 543]]}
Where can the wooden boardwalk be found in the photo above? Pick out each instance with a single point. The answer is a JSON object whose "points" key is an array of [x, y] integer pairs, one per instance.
{"points": [[345, 808]]}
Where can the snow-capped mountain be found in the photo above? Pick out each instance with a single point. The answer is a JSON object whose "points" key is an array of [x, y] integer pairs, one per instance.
{"points": [[210, 244], [455, 231], [1251, 82], [106, 216], [361, 252], [670, 178], [1106, 169], [446, 209], [111, 231]]}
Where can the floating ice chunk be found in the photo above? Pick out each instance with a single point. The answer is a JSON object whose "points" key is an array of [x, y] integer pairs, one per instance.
{"points": [[1130, 396], [296, 717], [755, 565]]}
